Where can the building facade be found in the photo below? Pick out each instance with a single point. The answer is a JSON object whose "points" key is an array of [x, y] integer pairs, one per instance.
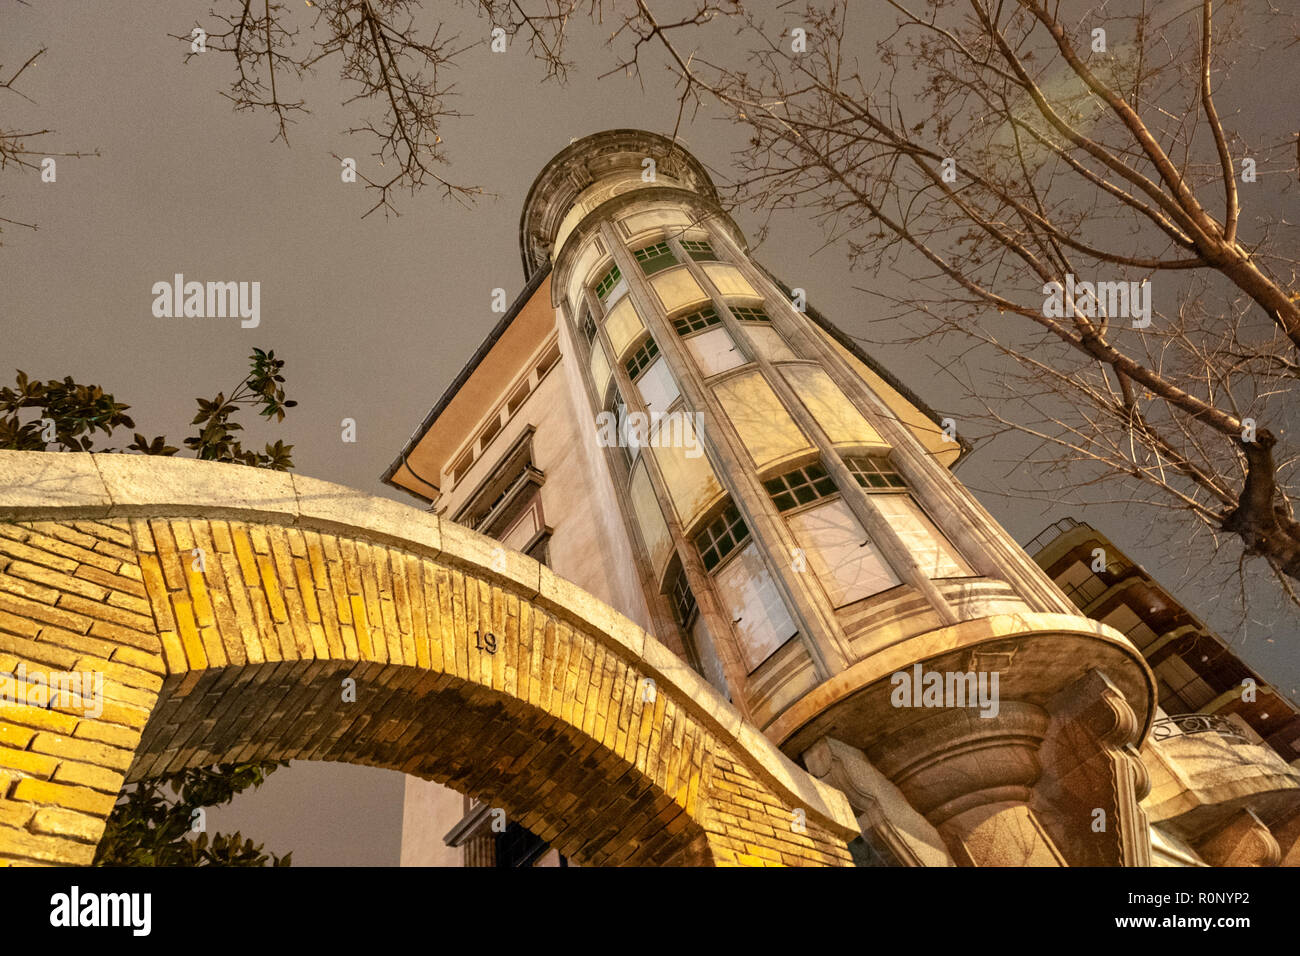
{"points": [[660, 420], [1222, 754]]}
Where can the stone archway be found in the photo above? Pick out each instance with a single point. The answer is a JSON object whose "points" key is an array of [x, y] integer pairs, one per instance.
{"points": [[230, 614]]}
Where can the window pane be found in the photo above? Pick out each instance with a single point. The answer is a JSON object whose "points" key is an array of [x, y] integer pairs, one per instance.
{"points": [[800, 486], [767, 342], [937, 558], [655, 258], [699, 250], [758, 614], [720, 537], [639, 359], [696, 321], [657, 388], [714, 352], [847, 564], [608, 281], [873, 471]]}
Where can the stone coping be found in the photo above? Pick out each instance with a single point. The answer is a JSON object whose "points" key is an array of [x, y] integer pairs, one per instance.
{"points": [[38, 486]]}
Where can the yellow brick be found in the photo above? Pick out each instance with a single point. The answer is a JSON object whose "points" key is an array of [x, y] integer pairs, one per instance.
{"points": [[106, 612], [766, 853], [70, 551], [101, 755], [18, 625], [173, 653], [116, 712], [86, 775], [195, 655], [129, 602], [25, 761], [358, 606], [57, 580], [126, 583], [144, 660], [244, 552], [272, 587], [14, 814], [34, 610], [17, 737], [34, 555], [76, 798], [37, 717], [24, 587], [120, 673], [117, 736], [67, 823], [48, 849]]}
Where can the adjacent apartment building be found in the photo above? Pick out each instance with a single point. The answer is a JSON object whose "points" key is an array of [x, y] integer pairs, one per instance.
{"points": [[665, 423]]}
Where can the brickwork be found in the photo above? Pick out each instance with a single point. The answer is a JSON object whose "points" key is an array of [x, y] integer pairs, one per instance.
{"points": [[223, 639], [72, 599]]}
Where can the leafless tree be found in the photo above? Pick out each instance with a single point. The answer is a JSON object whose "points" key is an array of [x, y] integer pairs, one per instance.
{"points": [[988, 150], [16, 143], [392, 56]]}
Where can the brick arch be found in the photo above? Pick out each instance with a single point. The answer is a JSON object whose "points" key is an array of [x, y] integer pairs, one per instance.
{"points": [[229, 613]]}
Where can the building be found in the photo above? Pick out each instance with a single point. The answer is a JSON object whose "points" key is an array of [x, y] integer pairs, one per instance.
{"points": [[661, 421], [1225, 744]]}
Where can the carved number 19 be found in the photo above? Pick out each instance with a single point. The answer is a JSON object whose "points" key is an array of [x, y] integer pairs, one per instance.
{"points": [[486, 642]]}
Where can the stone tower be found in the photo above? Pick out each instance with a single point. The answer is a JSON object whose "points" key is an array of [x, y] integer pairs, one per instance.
{"points": [[758, 491]]}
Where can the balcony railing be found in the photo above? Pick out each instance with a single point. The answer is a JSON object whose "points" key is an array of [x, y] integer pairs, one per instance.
{"points": [[1050, 534], [1185, 725]]}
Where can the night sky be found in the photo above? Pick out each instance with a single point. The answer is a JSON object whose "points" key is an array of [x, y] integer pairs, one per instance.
{"points": [[375, 316]]}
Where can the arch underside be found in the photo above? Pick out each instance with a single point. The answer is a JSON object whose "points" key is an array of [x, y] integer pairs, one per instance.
{"points": [[565, 786], [222, 640]]}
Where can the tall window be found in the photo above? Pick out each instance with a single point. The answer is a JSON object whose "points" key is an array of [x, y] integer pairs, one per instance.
{"points": [[688, 616], [759, 617], [708, 342], [611, 286], [628, 442], [835, 547], [932, 551], [588, 327], [647, 368]]}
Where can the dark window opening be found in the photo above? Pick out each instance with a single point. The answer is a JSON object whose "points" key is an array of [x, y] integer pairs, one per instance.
{"points": [[655, 258]]}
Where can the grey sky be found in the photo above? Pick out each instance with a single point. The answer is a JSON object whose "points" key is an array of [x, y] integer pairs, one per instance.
{"points": [[373, 316]]}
